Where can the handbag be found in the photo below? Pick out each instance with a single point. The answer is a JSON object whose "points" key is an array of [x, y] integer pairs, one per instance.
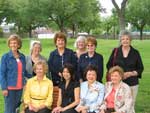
{"points": [[113, 63]]}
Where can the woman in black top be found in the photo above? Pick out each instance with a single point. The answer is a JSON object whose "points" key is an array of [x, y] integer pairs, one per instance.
{"points": [[69, 92], [59, 57], [130, 60]]}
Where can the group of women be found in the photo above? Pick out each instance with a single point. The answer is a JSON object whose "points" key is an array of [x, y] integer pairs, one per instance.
{"points": [[77, 74]]}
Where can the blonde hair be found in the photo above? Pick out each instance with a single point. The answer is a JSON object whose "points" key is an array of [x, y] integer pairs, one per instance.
{"points": [[116, 69], [44, 65], [16, 38]]}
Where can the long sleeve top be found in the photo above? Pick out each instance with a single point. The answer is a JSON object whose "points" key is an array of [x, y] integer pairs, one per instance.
{"points": [[9, 70], [122, 100], [29, 66], [91, 97], [56, 63], [85, 60], [38, 93], [132, 62]]}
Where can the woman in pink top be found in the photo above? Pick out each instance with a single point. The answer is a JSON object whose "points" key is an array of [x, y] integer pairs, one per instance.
{"points": [[13, 74], [118, 97]]}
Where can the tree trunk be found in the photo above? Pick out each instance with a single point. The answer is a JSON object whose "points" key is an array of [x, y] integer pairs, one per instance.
{"points": [[73, 29], [30, 31], [121, 21], [141, 34], [121, 13]]}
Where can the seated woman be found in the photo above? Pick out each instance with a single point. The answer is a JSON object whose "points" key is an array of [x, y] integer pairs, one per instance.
{"points": [[92, 92], [118, 98], [39, 90], [69, 92]]}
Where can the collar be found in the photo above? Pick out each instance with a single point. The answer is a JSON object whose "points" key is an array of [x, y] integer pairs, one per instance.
{"points": [[10, 53], [35, 78]]}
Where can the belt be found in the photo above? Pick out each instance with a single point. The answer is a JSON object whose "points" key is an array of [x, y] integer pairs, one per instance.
{"points": [[37, 99], [109, 110]]}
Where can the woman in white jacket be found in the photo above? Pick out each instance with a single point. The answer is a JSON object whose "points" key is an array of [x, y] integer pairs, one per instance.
{"points": [[118, 98]]}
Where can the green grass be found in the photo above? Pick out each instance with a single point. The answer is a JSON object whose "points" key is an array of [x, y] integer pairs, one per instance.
{"points": [[104, 47]]}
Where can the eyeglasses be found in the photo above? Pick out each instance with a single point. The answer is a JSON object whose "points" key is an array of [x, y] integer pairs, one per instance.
{"points": [[90, 45]]}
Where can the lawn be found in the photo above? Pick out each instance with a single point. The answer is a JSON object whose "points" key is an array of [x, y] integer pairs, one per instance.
{"points": [[104, 47]]}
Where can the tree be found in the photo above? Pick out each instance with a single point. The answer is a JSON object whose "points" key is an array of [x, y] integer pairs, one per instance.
{"points": [[139, 16], [121, 13]]}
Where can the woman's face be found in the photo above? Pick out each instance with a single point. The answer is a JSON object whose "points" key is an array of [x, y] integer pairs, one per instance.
{"points": [[91, 47], [13, 45], [91, 76], [36, 49], [125, 41], [60, 43], [39, 70], [81, 44], [115, 77], [66, 74]]}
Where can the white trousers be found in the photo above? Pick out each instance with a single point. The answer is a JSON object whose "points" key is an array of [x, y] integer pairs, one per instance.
{"points": [[134, 91]]}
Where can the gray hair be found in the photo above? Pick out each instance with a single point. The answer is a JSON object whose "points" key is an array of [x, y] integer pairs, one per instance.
{"points": [[125, 32], [79, 38], [33, 42]]}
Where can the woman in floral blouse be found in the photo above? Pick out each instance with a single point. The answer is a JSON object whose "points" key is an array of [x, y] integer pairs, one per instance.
{"points": [[92, 92], [118, 97]]}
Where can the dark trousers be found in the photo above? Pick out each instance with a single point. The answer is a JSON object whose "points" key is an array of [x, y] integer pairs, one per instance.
{"points": [[109, 110], [70, 111], [12, 101], [44, 110]]}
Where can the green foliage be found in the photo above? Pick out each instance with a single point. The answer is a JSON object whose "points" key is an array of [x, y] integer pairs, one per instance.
{"points": [[138, 16]]}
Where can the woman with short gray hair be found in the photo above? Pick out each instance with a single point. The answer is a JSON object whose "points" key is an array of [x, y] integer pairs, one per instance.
{"points": [[130, 60]]}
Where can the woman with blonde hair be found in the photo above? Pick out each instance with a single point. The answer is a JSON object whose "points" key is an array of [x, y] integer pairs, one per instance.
{"points": [[39, 90], [13, 74], [118, 98]]}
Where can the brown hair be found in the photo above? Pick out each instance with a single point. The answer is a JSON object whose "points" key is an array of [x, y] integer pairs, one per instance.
{"points": [[15, 37], [116, 69], [92, 40], [43, 63], [61, 36]]}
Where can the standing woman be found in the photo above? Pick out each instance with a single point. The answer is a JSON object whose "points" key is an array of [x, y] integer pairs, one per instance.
{"points": [[69, 92], [59, 57], [35, 49], [80, 45], [91, 57], [130, 60], [13, 73]]}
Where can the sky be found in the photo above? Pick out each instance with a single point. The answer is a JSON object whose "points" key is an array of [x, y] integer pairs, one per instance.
{"points": [[108, 5]]}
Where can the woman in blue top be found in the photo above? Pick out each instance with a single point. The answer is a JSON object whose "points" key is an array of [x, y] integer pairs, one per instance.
{"points": [[59, 57], [13, 73], [90, 58], [91, 92]]}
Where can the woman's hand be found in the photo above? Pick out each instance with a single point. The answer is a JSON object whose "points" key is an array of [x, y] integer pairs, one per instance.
{"points": [[5, 92], [33, 108], [57, 110], [81, 108], [102, 111]]}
